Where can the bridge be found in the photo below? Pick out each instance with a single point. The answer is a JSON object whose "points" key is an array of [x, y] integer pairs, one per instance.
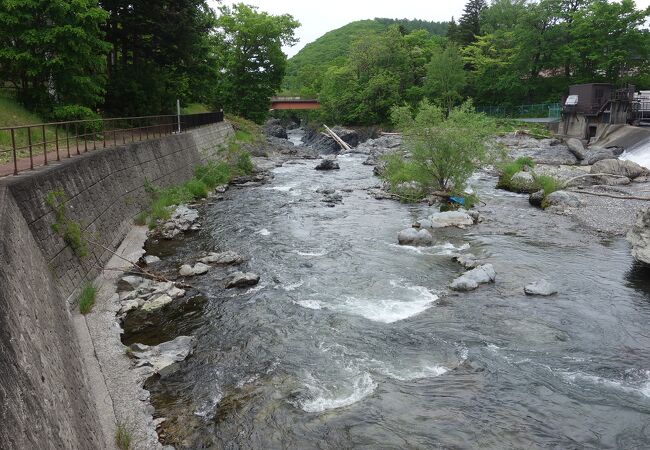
{"points": [[293, 103]]}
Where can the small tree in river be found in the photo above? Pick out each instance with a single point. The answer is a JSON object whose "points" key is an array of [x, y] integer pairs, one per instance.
{"points": [[441, 153]]}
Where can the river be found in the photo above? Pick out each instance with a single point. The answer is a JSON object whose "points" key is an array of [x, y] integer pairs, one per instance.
{"points": [[351, 340]]}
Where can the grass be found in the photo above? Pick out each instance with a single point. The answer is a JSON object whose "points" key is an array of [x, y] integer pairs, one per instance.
{"points": [[509, 169], [548, 184], [536, 130], [195, 108], [87, 298], [246, 131], [123, 437], [14, 114], [70, 230], [236, 162]]}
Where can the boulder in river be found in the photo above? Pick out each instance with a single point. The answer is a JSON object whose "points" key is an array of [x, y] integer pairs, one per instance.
{"points": [[536, 198], [639, 236], [540, 287], [241, 279], [188, 271], [414, 236], [328, 164], [523, 182], [459, 219], [274, 128], [619, 167], [183, 219], [472, 279], [162, 358], [468, 260], [596, 154], [562, 199], [576, 147], [225, 258]]}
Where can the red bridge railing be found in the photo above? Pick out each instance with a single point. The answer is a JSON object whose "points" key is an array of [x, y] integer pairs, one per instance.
{"points": [[28, 146]]}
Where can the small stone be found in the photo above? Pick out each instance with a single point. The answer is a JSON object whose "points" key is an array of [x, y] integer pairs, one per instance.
{"points": [[176, 292], [186, 271], [157, 303], [241, 279], [451, 219], [472, 279], [225, 258], [151, 259], [129, 305], [328, 164], [541, 287], [536, 198], [129, 283], [200, 268]]}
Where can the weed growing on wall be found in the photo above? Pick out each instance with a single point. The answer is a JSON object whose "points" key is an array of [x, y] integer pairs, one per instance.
{"points": [[123, 437], [87, 298], [70, 230]]}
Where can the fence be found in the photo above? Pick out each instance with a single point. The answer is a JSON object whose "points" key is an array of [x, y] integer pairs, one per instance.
{"points": [[28, 146], [539, 110]]}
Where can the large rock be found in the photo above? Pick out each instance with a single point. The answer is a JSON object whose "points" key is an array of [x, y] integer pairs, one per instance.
{"points": [[468, 260], [523, 182], [475, 277], [536, 198], [596, 154], [241, 279], [274, 128], [188, 271], [541, 287], [157, 303], [129, 283], [458, 219], [619, 167], [328, 164], [163, 358], [414, 236], [562, 199], [639, 236], [225, 258], [576, 147], [183, 219]]}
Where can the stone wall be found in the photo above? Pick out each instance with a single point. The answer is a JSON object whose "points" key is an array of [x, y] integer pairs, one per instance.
{"points": [[44, 397]]}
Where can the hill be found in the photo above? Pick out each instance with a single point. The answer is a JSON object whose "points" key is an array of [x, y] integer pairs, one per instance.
{"points": [[332, 48]]}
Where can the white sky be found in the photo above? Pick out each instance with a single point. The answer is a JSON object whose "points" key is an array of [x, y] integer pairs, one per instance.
{"points": [[319, 17]]}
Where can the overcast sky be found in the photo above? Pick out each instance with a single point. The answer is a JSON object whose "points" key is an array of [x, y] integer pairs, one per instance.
{"points": [[319, 17]]}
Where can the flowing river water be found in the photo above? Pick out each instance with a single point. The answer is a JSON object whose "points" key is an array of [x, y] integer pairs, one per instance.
{"points": [[351, 340]]}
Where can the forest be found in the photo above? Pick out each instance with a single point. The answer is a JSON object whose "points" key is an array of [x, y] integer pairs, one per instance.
{"points": [[508, 52], [69, 60]]}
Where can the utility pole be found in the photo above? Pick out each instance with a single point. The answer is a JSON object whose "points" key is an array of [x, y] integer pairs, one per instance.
{"points": [[178, 114]]}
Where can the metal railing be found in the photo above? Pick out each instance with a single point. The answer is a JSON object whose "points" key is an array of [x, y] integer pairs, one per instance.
{"points": [[29, 146], [538, 110]]}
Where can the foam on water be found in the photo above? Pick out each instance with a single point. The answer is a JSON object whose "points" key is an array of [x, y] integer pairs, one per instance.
{"points": [[263, 232], [293, 286], [638, 385], [389, 310], [310, 304], [322, 399], [319, 253], [639, 154], [410, 374]]}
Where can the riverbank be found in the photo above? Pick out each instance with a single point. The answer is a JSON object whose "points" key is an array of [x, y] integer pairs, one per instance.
{"points": [[303, 231]]}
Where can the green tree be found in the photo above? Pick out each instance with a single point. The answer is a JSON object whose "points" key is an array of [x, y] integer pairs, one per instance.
{"points": [[469, 25], [251, 61], [160, 51], [444, 153], [53, 52], [446, 77]]}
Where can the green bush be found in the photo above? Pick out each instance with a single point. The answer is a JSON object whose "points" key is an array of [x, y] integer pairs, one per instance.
{"points": [[213, 174], [67, 113], [548, 184], [123, 437], [244, 164], [87, 298], [197, 188], [69, 230]]}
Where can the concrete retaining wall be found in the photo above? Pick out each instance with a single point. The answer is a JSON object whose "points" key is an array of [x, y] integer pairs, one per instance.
{"points": [[44, 398]]}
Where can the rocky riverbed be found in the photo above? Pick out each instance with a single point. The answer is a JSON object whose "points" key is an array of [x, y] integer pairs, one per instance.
{"points": [[295, 308]]}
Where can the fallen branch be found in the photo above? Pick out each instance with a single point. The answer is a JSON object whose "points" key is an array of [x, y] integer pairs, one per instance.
{"points": [[603, 194], [338, 140], [152, 275], [570, 180]]}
